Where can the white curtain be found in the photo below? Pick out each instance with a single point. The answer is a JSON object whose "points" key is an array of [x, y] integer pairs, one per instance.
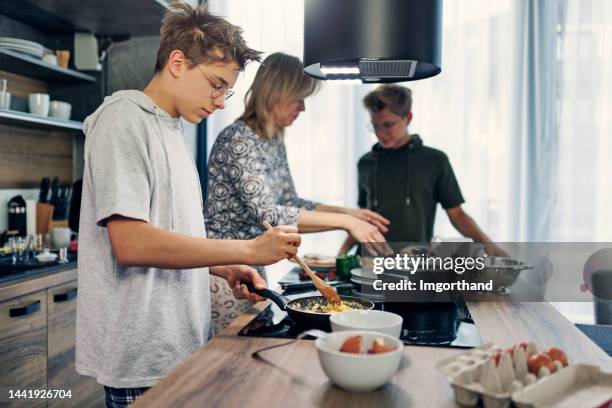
{"points": [[583, 206], [582, 210]]}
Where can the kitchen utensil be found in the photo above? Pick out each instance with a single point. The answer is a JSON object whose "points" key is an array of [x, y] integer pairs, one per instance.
{"points": [[44, 189], [23, 46], [303, 318], [318, 261], [75, 205], [54, 199], [323, 287], [60, 212], [60, 109], [44, 214], [368, 320], [63, 255], [5, 95], [31, 217], [38, 104], [18, 246], [502, 271], [17, 219], [309, 285], [63, 56], [359, 372]]}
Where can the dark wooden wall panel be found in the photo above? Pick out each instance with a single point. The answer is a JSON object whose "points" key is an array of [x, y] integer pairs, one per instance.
{"points": [[27, 155]]}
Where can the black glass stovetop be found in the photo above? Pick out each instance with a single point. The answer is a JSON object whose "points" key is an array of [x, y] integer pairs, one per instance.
{"points": [[425, 324]]}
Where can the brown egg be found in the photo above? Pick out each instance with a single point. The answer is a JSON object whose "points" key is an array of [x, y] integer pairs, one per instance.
{"points": [[538, 361], [352, 345], [557, 354]]}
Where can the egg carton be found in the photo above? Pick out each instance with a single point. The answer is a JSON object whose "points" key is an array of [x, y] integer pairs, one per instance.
{"points": [[476, 378], [579, 385]]}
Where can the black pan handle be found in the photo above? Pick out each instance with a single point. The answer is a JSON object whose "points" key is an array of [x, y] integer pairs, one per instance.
{"points": [[26, 310], [64, 297], [276, 297]]}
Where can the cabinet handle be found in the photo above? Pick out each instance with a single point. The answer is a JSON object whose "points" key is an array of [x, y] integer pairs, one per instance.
{"points": [[26, 310], [64, 297]]}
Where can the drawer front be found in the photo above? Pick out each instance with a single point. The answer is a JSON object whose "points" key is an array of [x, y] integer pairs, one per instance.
{"points": [[23, 344], [62, 374]]}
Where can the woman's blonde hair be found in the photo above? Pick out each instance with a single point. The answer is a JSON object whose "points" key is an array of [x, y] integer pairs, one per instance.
{"points": [[279, 79]]}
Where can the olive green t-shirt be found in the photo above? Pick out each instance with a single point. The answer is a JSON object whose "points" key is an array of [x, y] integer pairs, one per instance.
{"points": [[405, 185]]}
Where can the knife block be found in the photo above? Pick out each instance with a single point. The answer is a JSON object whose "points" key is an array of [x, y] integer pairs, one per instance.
{"points": [[44, 219]]}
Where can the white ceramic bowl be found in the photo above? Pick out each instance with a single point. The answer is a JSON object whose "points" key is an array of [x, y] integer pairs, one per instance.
{"points": [[358, 372], [59, 109], [370, 320]]}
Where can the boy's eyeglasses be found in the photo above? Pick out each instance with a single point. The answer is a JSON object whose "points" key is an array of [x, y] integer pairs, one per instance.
{"points": [[373, 127], [217, 89]]}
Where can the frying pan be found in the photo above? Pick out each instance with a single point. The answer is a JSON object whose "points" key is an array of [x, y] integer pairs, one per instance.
{"points": [[308, 320]]}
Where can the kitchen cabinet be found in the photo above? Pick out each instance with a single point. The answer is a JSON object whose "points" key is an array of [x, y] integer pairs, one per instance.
{"points": [[61, 334], [23, 344], [37, 340]]}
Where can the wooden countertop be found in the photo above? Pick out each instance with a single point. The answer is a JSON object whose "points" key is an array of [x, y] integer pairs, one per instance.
{"points": [[223, 373]]}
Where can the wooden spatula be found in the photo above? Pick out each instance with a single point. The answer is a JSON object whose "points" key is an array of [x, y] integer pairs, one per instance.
{"points": [[330, 294]]}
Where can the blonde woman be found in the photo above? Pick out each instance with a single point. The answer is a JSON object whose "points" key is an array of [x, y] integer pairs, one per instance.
{"points": [[249, 179]]}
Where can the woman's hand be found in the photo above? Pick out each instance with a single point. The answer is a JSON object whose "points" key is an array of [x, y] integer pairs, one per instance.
{"points": [[274, 245], [235, 274], [368, 235], [370, 216]]}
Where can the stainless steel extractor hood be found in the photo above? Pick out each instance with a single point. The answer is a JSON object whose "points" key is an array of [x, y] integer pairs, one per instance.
{"points": [[372, 40]]}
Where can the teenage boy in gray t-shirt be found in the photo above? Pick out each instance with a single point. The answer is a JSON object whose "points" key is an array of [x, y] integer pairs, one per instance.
{"points": [[144, 260]]}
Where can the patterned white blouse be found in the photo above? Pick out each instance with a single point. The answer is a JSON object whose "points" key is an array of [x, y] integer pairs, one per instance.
{"points": [[249, 181]]}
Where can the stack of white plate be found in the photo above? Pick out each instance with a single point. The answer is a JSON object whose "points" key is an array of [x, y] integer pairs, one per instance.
{"points": [[363, 276], [24, 46]]}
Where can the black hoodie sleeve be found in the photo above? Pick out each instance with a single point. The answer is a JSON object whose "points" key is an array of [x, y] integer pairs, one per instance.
{"points": [[447, 191]]}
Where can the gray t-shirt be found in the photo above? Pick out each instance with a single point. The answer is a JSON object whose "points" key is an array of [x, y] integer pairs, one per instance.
{"points": [[134, 324]]}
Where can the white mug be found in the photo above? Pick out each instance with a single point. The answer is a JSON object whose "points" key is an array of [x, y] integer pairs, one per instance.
{"points": [[61, 237], [39, 104]]}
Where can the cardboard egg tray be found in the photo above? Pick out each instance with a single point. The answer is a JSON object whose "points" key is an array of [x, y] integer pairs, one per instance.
{"points": [[473, 380]]}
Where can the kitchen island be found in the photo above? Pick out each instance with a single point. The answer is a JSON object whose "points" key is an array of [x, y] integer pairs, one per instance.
{"points": [[224, 374]]}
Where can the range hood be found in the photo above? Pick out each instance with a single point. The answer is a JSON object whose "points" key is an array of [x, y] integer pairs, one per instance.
{"points": [[374, 41]]}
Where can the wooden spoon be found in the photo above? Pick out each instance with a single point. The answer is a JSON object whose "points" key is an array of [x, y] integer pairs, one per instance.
{"points": [[330, 294]]}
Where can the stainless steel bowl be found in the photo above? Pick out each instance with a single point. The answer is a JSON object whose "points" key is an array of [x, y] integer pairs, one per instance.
{"points": [[502, 271]]}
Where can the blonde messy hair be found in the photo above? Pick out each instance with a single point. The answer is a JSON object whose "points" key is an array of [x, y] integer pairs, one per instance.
{"points": [[202, 37], [279, 79]]}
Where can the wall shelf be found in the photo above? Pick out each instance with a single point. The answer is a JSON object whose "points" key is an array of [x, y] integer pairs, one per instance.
{"points": [[32, 67], [16, 118], [117, 17]]}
